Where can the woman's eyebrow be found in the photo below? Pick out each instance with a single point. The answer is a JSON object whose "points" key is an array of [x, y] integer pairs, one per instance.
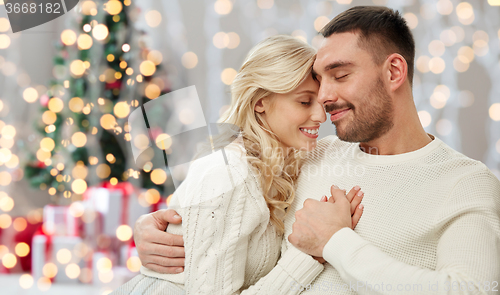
{"points": [[305, 92]]}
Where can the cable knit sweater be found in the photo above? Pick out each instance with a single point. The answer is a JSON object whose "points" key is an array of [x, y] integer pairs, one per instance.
{"points": [[431, 221], [231, 246]]}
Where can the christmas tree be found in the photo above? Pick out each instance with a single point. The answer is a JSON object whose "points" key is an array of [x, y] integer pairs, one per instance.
{"points": [[102, 72]]}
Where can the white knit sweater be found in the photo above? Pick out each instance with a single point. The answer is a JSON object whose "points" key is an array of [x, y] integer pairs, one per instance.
{"points": [[231, 246], [431, 221]]}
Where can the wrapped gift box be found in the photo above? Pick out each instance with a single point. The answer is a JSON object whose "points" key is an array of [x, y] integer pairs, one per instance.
{"points": [[57, 220]]}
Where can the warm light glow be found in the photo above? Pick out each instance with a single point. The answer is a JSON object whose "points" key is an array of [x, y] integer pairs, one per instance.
{"points": [[153, 18], [9, 260], [4, 41], [104, 264], [448, 37], [466, 52], [134, 264], [223, 7], [63, 256], [113, 7], [4, 23], [44, 283], [100, 32], [121, 109], [47, 144], [22, 249], [113, 181], [494, 112], [158, 176], [72, 270], [494, 2], [461, 64], [8, 131], [77, 67], [5, 178], [320, 22], [84, 41], [163, 141], [444, 7], [103, 171], [124, 233], [5, 221], [147, 68], [465, 13], [126, 48], [227, 75], [155, 56], [190, 59], [110, 158], [79, 139], [26, 281], [20, 224], [30, 94], [76, 209], [152, 91], [436, 48], [425, 118], [152, 196], [411, 20], [220, 40], [49, 117], [56, 104], [6, 202], [76, 104], [108, 121], [437, 65], [79, 186], [42, 155]]}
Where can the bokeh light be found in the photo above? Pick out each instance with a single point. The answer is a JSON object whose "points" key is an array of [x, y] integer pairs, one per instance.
{"points": [[124, 233]]}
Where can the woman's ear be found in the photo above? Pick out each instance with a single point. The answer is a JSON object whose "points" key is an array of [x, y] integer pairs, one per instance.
{"points": [[259, 106]]}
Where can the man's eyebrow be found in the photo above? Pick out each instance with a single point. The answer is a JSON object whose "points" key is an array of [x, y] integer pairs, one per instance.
{"points": [[338, 64]]}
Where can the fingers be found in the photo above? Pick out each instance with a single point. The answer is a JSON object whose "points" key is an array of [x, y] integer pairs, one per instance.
{"points": [[356, 200], [357, 215], [165, 216], [337, 193], [323, 199], [353, 193], [163, 261], [164, 269], [163, 250]]}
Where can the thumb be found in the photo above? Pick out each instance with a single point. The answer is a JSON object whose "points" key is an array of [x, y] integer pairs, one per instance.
{"points": [[166, 216], [337, 194]]}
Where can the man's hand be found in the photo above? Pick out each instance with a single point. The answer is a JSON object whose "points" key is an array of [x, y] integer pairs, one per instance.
{"points": [[158, 250], [318, 221]]}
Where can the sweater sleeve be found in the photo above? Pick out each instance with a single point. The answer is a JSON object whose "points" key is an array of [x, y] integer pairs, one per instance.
{"points": [[468, 250], [216, 236]]}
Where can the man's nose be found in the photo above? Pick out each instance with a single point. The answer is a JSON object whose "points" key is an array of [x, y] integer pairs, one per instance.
{"points": [[318, 113], [327, 93]]}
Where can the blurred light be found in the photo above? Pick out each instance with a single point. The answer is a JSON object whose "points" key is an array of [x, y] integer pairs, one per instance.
{"points": [[465, 13], [466, 52], [13, 162], [44, 283], [459, 33], [152, 91], [49, 117], [77, 67], [126, 48], [88, 6], [320, 22], [30, 94], [47, 144], [438, 100], [223, 7], [5, 221], [227, 75], [301, 35], [190, 59], [84, 41], [103, 171], [121, 109], [19, 224], [87, 28], [461, 64], [108, 121], [480, 47], [26, 281], [110, 158], [79, 186], [8, 131], [106, 277], [158, 176], [448, 37], [104, 264], [265, 4], [4, 24], [155, 56], [55, 104], [76, 104], [79, 139], [220, 40], [42, 155], [76, 209], [411, 20], [437, 65], [444, 7], [494, 2], [22, 249], [113, 181], [147, 68], [5, 156], [494, 112], [444, 127], [436, 48], [4, 41], [134, 264], [186, 116], [427, 10], [9, 260], [100, 32], [124, 233], [63, 256], [425, 118], [113, 7], [5, 178], [153, 18], [163, 141], [72, 270], [6, 202]]}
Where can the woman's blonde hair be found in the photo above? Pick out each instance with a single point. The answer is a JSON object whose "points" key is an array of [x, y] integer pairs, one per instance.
{"points": [[278, 64]]}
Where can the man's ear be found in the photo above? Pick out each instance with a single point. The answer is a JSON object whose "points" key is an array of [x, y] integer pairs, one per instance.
{"points": [[397, 70]]}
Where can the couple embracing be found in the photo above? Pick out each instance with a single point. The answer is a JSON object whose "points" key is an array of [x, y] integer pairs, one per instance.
{"points": [[381, 208]]}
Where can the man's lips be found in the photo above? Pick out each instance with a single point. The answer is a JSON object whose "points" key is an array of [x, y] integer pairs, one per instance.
{"points": [[337, 114]]}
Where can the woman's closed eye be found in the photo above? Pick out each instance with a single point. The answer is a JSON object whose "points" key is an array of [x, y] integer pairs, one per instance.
{"points": [[305, 102]]}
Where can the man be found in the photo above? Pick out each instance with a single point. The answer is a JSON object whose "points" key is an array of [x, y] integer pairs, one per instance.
{"points": [[431, 223]]}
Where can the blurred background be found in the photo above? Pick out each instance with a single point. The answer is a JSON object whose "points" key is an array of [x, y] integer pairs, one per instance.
{"points": [[70, 191]]}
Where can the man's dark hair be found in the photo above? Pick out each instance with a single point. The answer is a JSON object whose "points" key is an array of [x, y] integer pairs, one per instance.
{"points": [[382, 31]]}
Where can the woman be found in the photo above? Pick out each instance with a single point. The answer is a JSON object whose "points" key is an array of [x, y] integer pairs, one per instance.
{"points": [[233, 204]]}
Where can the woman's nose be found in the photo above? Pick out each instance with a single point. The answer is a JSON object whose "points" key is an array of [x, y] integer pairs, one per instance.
{"points": [[318, 113]]}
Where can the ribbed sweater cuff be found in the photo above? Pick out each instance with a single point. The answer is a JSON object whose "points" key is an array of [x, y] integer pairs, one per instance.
{"points": [[299, 266], [340, 245]]}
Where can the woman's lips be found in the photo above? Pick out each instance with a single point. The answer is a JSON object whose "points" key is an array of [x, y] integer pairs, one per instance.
{"points": [[339, 115], [308, 134]]}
